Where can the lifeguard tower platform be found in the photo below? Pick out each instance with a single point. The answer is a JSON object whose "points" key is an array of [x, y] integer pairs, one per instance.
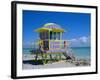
{"points": [[50, 42]]}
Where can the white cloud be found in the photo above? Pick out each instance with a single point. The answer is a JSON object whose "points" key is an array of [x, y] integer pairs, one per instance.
{"points": [[73, 40], [83, 41]]}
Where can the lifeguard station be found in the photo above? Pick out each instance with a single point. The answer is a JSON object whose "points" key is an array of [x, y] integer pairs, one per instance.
{"points": [[51, 43]]}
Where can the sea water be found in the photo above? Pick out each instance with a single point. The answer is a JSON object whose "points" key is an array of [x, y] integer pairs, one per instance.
{"points": [[82, 52], [26, 50], [79, 52]]}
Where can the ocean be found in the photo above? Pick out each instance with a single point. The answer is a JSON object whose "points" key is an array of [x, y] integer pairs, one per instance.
{"points": [[82, 52], [79, 52]]}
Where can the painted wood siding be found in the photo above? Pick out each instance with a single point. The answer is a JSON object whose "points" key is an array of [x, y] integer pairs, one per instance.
{"points": [[54, 44]]}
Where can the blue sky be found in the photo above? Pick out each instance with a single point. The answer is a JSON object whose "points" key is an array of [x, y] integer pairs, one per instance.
{"points": [[77, 25]]}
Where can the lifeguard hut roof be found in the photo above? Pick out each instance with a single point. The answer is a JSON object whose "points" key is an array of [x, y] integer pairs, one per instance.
{"points": [[51, 27]]}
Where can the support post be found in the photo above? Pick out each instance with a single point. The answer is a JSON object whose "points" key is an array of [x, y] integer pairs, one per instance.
{"points": [[36, 55], [60, 40], [45, 61]]}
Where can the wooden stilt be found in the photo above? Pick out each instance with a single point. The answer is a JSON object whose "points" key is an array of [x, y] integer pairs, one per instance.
{"points": [[42, 57], [36, 56], [59, 56], [51, 57], [45, 58]]}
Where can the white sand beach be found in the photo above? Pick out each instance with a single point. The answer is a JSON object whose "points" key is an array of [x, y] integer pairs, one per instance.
{"points": [[49, 65], [29, 64]]}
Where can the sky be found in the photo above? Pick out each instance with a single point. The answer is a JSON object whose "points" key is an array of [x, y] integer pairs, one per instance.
{"points": [[76, 25]]}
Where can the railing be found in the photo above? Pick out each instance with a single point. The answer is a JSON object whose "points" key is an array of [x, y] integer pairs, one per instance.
{"points": [[52, 44]]}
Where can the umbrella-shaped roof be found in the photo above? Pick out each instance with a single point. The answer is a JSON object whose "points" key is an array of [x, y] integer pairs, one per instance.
{"points": [[51, 27]]}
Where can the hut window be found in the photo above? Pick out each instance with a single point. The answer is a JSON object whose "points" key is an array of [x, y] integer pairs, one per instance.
{"points": [[54, 35], [41, 35], [46, 35], [50, 35], [58, 35]]}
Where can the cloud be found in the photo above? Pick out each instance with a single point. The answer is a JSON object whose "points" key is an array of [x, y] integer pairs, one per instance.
{"points": [[83, 41], [73, 40]]}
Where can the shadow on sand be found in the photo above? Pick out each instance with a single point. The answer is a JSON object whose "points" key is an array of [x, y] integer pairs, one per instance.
{"points": [[33, 62]]}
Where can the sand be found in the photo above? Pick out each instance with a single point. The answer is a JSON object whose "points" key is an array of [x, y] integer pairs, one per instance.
{"points": [[28, 63], [49, 65]]}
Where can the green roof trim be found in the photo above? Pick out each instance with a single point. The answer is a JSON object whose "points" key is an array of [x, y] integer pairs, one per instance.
{"points": [[50, 27], [48, 24]]}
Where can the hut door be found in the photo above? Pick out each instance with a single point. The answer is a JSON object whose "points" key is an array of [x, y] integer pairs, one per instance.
{"points": [[46, 45]]}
